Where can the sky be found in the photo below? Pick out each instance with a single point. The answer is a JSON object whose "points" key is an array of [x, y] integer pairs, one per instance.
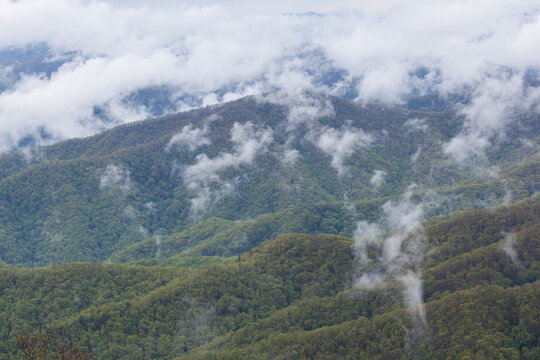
{"points": [[100, 54]]}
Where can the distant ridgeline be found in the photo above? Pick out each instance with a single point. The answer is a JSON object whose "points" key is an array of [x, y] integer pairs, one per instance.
{"points": [[219, 180]]}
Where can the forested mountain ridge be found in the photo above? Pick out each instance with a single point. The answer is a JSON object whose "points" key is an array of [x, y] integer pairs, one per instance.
{"points": [[102, 197], [290, 180], [236, 232], [294, 297]]}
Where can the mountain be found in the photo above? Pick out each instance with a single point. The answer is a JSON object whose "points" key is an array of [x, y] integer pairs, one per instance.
{"points": [[294, 297], [305, 227], [221, 179]]}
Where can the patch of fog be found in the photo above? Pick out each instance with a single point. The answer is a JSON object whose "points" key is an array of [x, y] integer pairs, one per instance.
{"points": [[416, 124], [493, 107], [204, 178], [509, 247], [303, 108], [289, 157], [116, 177], [392, 248], [189, 137], [340, 143], [378, 178], [130, 212], [157, 240]]}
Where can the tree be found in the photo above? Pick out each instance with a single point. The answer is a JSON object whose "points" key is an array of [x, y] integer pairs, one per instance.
{"points": [[48, 345]]}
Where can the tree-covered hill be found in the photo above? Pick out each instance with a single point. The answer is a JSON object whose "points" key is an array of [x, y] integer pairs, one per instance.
{"points": [[108, 196], [295, 297]]}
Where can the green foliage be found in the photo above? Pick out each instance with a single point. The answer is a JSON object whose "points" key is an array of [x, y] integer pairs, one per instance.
{"points": [[53, 209], [267, 271], [466, 231], [220, 237], [192, 262], [31, 297], [292, 297]]}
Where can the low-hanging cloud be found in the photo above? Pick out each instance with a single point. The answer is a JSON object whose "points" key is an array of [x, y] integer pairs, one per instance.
{"points": [[189, 137], [392, 248], [416, 124], [340, 144], [496, 103], [204, 177], [509, 247], [304, 109], [377, 178], [116, 177], [216, 52]]}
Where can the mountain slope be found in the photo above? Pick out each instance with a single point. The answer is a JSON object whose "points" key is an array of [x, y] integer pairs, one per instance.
{"points": [[294, 297], [89, 199]]}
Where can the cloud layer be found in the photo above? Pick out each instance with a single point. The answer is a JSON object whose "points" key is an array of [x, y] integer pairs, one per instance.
{"points": [[211, 51]]}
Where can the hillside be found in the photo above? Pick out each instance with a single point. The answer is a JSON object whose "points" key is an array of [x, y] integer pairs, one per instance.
{"points": [[109, 196], [293, 297], [286, 180], [235, 231]]}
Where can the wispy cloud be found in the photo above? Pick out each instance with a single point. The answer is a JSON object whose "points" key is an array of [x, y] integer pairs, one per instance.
{"points": [[340, 144], [495, 105], [378, 178], [190, 137], [509, 247], [392, 248], [416, 124], [204, 178], [117, 177]]}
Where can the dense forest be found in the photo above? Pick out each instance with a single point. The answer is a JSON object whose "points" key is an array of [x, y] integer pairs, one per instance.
{"points": [[294, 297], [248, 178], [238, 231]]}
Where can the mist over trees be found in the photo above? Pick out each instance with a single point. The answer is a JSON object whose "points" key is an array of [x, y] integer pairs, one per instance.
{"points": [[285, 180]]}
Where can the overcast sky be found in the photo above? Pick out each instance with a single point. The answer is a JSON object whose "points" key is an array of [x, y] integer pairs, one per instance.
{"points": [[199, 48]]}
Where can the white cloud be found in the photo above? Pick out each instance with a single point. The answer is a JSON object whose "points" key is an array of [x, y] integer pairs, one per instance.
{"points": [[290, 156], [7, 76], [416, 124], [364, 235], [191, 137], [204, 179], [201, 48], [116, 177], [495, 105], [303, 108], [416, 155], [378, 178], [398, 237], [401, 220], [509, 247], [340, 144], [413, 295]]}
